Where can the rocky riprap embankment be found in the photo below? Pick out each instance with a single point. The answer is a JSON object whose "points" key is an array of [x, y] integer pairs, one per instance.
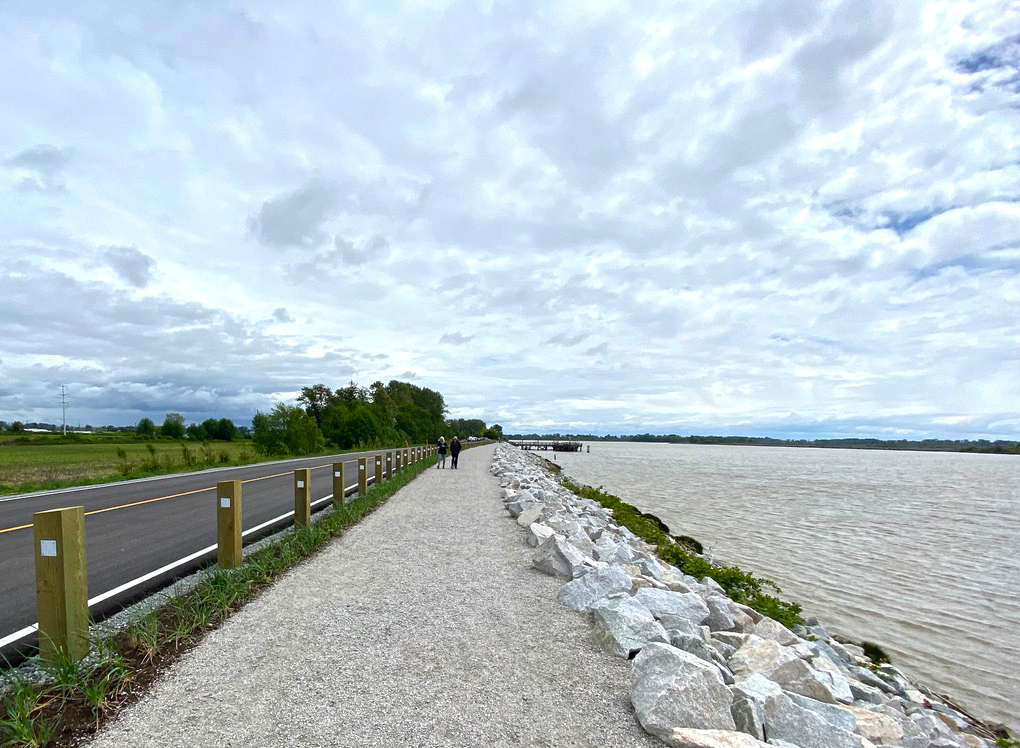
{"points": [[708, 672]]}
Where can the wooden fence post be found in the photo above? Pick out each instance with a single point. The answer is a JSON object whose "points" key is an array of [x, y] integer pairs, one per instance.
{"points": [[389, 466], [302, 497], [228, 524], [339, 479], [378, 470], [362, 476], [61, 582]]}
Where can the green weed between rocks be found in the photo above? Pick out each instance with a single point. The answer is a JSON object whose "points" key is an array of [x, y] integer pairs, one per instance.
{"points": [[72, 700], [682, 552], [874, 653]]}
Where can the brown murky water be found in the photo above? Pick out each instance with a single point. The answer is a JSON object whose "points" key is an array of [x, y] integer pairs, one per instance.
{"points": [[917, 551]]}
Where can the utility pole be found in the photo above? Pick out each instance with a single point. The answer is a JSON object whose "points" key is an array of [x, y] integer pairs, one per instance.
{"points": [[63, 406]]}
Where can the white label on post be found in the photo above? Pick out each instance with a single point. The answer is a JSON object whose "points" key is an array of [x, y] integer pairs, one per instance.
{"points": [[361, 467], [336, 473], [300, 484], [224, 502], [47, 547]]}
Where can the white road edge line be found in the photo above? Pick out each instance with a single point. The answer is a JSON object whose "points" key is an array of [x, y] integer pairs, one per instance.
{"points": [[22, 633]]}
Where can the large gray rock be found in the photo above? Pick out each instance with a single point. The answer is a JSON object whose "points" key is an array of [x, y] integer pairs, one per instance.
{"points": [[785, 720], [756, 687], [732, 639], [681, 624], [558, 558], [539, 533], [651, 566], [878, 728], [672, 689], [767, 628], [666, 603], [831, 713], [866, 693], [720, 613], [623, 626], [693, 644], [869, 678], [582, 593], [525, 518], [684, 737], [757, 655], [724, 615], [799, 677], [748, 716], [523, 500], [834, 680]]}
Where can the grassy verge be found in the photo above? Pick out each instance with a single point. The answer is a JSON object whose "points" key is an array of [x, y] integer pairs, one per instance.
{"points": [[45, 466], [682, 552], [40, 467], [74, 699]]}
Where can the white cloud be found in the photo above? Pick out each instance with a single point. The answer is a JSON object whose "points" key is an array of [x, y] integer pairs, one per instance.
{"points": [[772, 217]]}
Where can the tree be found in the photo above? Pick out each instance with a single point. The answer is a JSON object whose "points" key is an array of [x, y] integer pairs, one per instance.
{"points": [[17, 427], [196, 432], [173, 426], [465, 427], [316, 399], [354, 426], [226, 430], [146, 428], [286, 429]]}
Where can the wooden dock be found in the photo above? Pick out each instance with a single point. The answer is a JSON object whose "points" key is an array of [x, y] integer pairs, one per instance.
{"points": [[558, 445]]}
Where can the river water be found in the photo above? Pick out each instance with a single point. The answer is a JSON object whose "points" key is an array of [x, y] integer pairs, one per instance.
{"points": [[916, 551]]}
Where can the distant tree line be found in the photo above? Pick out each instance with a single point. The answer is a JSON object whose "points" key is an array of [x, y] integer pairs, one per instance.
{"points": [[999, 446], [173, 427], [349, 417]]}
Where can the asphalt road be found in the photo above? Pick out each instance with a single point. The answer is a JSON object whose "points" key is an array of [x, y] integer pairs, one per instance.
{"points": [[136, 527]]}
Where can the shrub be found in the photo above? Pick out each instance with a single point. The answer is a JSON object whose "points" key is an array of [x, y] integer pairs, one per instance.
{"points": [[874, 653]]}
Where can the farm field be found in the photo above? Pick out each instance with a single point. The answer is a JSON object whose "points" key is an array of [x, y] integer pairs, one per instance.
{"points": [[97, 459]]}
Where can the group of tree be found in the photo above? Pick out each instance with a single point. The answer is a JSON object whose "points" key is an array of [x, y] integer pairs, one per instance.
{"points": [[474, 427], [352, 416], [173, 428]]}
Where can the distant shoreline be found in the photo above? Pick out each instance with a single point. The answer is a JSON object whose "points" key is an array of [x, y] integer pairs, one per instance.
{"points": [[983, 446]]}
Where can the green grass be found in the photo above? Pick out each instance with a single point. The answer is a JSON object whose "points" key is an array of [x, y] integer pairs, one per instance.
{"points": [[682, 552], [77, 697], [37, 466], [41, 462]]}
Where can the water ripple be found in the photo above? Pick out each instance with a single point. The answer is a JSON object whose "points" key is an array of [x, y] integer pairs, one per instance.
{"points": [[915, 550]]}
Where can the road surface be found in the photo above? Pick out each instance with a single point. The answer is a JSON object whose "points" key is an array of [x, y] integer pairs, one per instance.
{"points": [[134, 528]]}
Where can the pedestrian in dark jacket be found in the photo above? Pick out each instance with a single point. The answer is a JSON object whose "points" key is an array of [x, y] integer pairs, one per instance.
{"points": [[454, 452], [441, 449]]}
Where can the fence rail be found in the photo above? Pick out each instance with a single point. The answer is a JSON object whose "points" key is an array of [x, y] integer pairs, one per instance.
{"points": [[61, 595]]}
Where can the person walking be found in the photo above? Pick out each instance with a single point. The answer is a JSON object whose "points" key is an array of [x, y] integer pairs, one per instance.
{"points": [[454, 452], [441, 449]]}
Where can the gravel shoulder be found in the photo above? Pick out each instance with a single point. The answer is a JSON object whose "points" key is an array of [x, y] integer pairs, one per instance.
{"points": [[424, 625]]}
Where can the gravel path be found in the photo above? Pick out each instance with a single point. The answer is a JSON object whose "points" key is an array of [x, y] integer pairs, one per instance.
{"points": [[424, 625]]}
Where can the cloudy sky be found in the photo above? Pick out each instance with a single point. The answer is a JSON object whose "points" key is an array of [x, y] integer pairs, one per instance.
{"points": [[762, 217]]}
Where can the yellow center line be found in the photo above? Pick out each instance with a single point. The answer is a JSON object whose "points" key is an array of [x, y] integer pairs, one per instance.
{"points": [[161, 498]]}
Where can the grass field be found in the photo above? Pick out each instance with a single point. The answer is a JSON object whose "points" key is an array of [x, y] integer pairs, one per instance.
{"points": [[98, 459]]}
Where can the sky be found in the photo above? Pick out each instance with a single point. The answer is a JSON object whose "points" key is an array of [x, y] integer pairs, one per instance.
{"points": [[772, 217]]}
